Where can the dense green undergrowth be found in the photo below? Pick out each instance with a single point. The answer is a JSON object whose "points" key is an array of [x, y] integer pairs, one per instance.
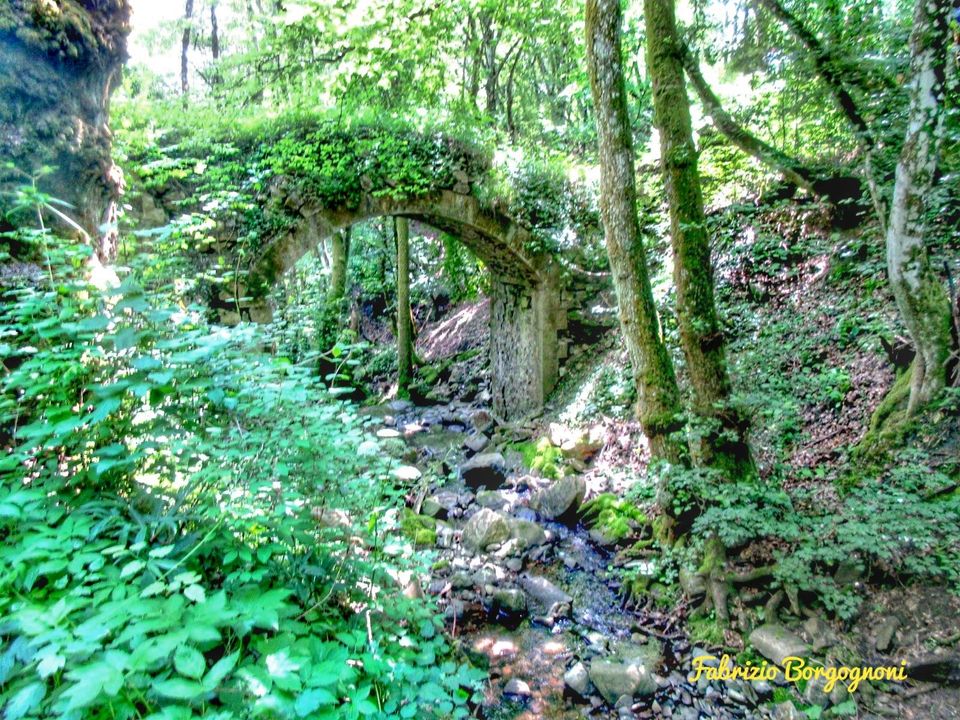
{"points": [[191, 527]]}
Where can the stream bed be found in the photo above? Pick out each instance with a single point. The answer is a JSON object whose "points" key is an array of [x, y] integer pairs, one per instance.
{"points": [[541, 608]]}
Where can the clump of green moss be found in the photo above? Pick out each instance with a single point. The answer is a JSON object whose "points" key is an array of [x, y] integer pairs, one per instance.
{"points": [[420, 529], [704, 630], [542, 457], [612, 517]]}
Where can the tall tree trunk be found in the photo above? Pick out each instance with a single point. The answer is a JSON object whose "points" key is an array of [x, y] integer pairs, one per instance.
{"points": [[489, 41], [215, 78], [55, 86], [920, 295], [404, 323], [476, 62], [791, 168], [340, 250], [185, 52], [511, 76], [214, 32], [659, 408], [723, 445]]}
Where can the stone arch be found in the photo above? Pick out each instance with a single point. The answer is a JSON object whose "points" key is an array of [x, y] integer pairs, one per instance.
{"points": [[526, 312]]}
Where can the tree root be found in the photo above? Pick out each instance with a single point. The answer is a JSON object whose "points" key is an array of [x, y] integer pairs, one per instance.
{"points": [[889, 421], [773, 606]]}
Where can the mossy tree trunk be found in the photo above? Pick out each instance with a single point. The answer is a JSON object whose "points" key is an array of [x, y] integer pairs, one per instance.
{"points": [[723, 444], [340, 252], [185, 53], [921, 297], [404, 318], [59, 64], [659, 407]]}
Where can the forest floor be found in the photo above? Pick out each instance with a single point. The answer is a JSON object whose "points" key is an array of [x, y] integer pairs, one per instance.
{"points": [[533, 594]]}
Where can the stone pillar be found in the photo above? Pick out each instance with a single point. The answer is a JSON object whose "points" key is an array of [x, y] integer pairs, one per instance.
{"points": [[59, 63], [524, 361]]}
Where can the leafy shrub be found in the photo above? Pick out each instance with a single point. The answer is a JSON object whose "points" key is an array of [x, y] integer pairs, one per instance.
{"points": [[191, 527]]}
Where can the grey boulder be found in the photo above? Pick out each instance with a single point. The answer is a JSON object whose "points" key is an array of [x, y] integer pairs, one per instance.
{"points": [[561, 500], [484, 529], [613, 680]]}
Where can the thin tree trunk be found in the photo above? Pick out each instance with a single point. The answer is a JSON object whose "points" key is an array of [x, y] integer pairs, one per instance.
{"points": [[922, 299], [791, 169], [185, 52], [723, 442], [476, 47], [214, 32], [404, 324], [511, 121], [214, 45], [658, 408], [827, 65], [340, 250], [489, 40]]}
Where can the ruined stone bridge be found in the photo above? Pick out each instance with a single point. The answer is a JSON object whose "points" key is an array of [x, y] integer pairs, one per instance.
{"points": [[527, 311]]}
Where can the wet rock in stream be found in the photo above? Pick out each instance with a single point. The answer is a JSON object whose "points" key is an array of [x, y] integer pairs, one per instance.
{"points": [[485, 528], [485, 470], [561, 500]]}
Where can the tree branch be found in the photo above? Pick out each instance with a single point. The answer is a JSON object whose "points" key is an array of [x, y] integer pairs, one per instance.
{"points": [[791, 168], [828, 67]]}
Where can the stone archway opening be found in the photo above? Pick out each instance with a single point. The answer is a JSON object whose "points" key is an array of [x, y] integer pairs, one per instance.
{"points": [[526, 312]]}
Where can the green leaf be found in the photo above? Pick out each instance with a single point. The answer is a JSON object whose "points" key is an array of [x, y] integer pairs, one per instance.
{"points": [[195, 593], [131, 568], [179, 689], [104, 409], [848, 707], [161, 552], [25, 701], [223, 667], [85, 690], [203, 633], [50, 665], [153, 589], [189, 662], [310, 701]]}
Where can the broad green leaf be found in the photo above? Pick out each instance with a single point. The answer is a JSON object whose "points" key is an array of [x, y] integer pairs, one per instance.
{"points": [[179, 689], [51, 664], [161, 552], [223, 667], [189, 662], [195, 593], [25, 701], [203, 633], [83, 692], [131, 568], [311, 700], [153, 589]]}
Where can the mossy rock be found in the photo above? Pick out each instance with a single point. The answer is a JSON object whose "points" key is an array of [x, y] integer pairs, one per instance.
{"points": [[420, 529], [613, 518], [542, 457]]}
